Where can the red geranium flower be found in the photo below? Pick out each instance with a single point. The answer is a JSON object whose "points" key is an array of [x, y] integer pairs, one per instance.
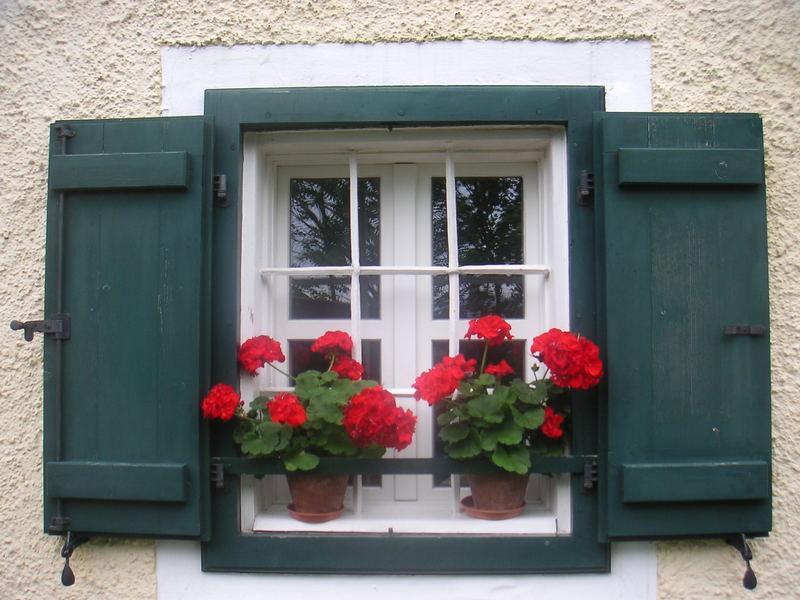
{"points": [[443, 379], [552, 424], [221, 402], [259, 350], [500, 369], [337, 342], [491, 328], [574, 362], [372, 416], [286, 408], [348, 367]]}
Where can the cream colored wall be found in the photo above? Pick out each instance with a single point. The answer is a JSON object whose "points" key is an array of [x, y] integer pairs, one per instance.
{"points": [[98, 59]]}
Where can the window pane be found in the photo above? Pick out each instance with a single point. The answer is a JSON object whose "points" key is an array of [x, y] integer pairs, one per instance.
{"points": [[489, 217], [319, 234], [301, 358]]}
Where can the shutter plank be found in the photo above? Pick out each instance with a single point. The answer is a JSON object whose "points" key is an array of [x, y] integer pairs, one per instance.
{"points": [[159, 482], [683, 165], [119, 171]]}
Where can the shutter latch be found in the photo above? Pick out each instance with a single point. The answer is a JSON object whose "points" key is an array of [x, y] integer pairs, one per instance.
{"points": [[57, 326], [221, 190], [739, 542]]}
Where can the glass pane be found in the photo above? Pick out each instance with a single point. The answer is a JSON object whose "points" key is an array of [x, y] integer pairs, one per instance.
{"points": [[329, 297], [301, 358], [319, 234], [489, 217]]}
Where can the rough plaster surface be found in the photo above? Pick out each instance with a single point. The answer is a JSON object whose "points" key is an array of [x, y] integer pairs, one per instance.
{"points": [[101, 58]]}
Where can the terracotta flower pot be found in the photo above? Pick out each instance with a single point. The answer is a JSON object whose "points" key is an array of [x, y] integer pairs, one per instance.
{"points": [[496, 496], [316, 498]]}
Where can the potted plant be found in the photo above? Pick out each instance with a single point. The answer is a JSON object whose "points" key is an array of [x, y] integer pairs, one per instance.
{"points": [[485, 409], [331, 412]]}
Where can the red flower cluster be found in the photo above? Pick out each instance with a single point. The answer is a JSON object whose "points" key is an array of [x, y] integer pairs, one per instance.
{"points": [[491, 328], [500, 369], [257, 351], [574, 362], [443, 379], [347, 367], [373, 417], [336, 342], [552, 424], [286, 408], [221, 402]]}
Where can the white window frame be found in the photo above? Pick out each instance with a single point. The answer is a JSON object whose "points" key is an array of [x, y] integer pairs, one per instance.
{"points": [[406, 158]]}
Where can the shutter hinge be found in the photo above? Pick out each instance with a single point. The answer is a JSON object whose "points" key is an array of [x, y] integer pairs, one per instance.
{"points": [[218, 475], [57, 326], [585, 188], [755, 330], [589, 475], [221, 190], [64, 131]]}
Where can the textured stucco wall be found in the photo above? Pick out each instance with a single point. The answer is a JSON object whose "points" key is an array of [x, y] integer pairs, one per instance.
{"points": [[97, 59]]}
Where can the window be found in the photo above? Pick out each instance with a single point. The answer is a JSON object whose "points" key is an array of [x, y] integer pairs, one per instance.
{"points": [[667, 251], [507, 186]]}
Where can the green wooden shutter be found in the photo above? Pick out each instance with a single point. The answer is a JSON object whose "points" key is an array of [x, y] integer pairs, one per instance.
{"points": [[684, 312], [128, 260]]}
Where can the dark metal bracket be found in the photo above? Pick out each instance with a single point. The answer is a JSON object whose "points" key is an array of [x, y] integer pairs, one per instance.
{"points": [[71, 541], [221, 190], [589, 476], [218, 475], [585, 188], [749, 581], [744, 330], [57, 326]]}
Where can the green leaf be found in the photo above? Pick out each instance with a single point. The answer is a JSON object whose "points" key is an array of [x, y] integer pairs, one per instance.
{"points": [[454, 433], [302, 461], [259, 403], [486, 380], [339, 443], [530, 419], [325, 405], [507, 432], [306, 383], [529, 395], [445, 418], [516, 460], [487, 407], [466, 448]]}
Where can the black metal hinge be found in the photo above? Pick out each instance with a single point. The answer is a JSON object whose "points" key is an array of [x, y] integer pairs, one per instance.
{"points": [[585, 188], [218, 475], [221, 190], [589, 475], [57, 326]]}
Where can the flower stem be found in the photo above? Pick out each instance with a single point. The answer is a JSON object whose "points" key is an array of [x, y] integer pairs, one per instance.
{"points": [[485, 354], [281, 371]]}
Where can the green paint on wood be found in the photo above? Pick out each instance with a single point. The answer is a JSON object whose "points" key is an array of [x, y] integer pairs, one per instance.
{"points": [[697, 166], [119, 171], [117, 481]]}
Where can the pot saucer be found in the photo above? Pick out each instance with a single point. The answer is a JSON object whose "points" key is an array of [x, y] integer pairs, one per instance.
{"points": [[490, 515]]}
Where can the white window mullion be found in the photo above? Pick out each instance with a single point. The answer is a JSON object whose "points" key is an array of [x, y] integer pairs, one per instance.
{"points": [[452, 252], [355, 261]]}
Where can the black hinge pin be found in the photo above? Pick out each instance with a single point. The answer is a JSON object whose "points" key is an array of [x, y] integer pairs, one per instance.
{"points": [[749, 581], [71, 542]]}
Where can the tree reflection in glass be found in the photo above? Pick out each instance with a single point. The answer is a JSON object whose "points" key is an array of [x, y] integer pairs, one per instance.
{"points": [[489, 217], [319, 234]]}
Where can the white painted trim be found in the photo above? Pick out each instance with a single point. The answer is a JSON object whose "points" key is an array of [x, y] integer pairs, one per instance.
{"points": [[179, 578], [623, 67]]}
